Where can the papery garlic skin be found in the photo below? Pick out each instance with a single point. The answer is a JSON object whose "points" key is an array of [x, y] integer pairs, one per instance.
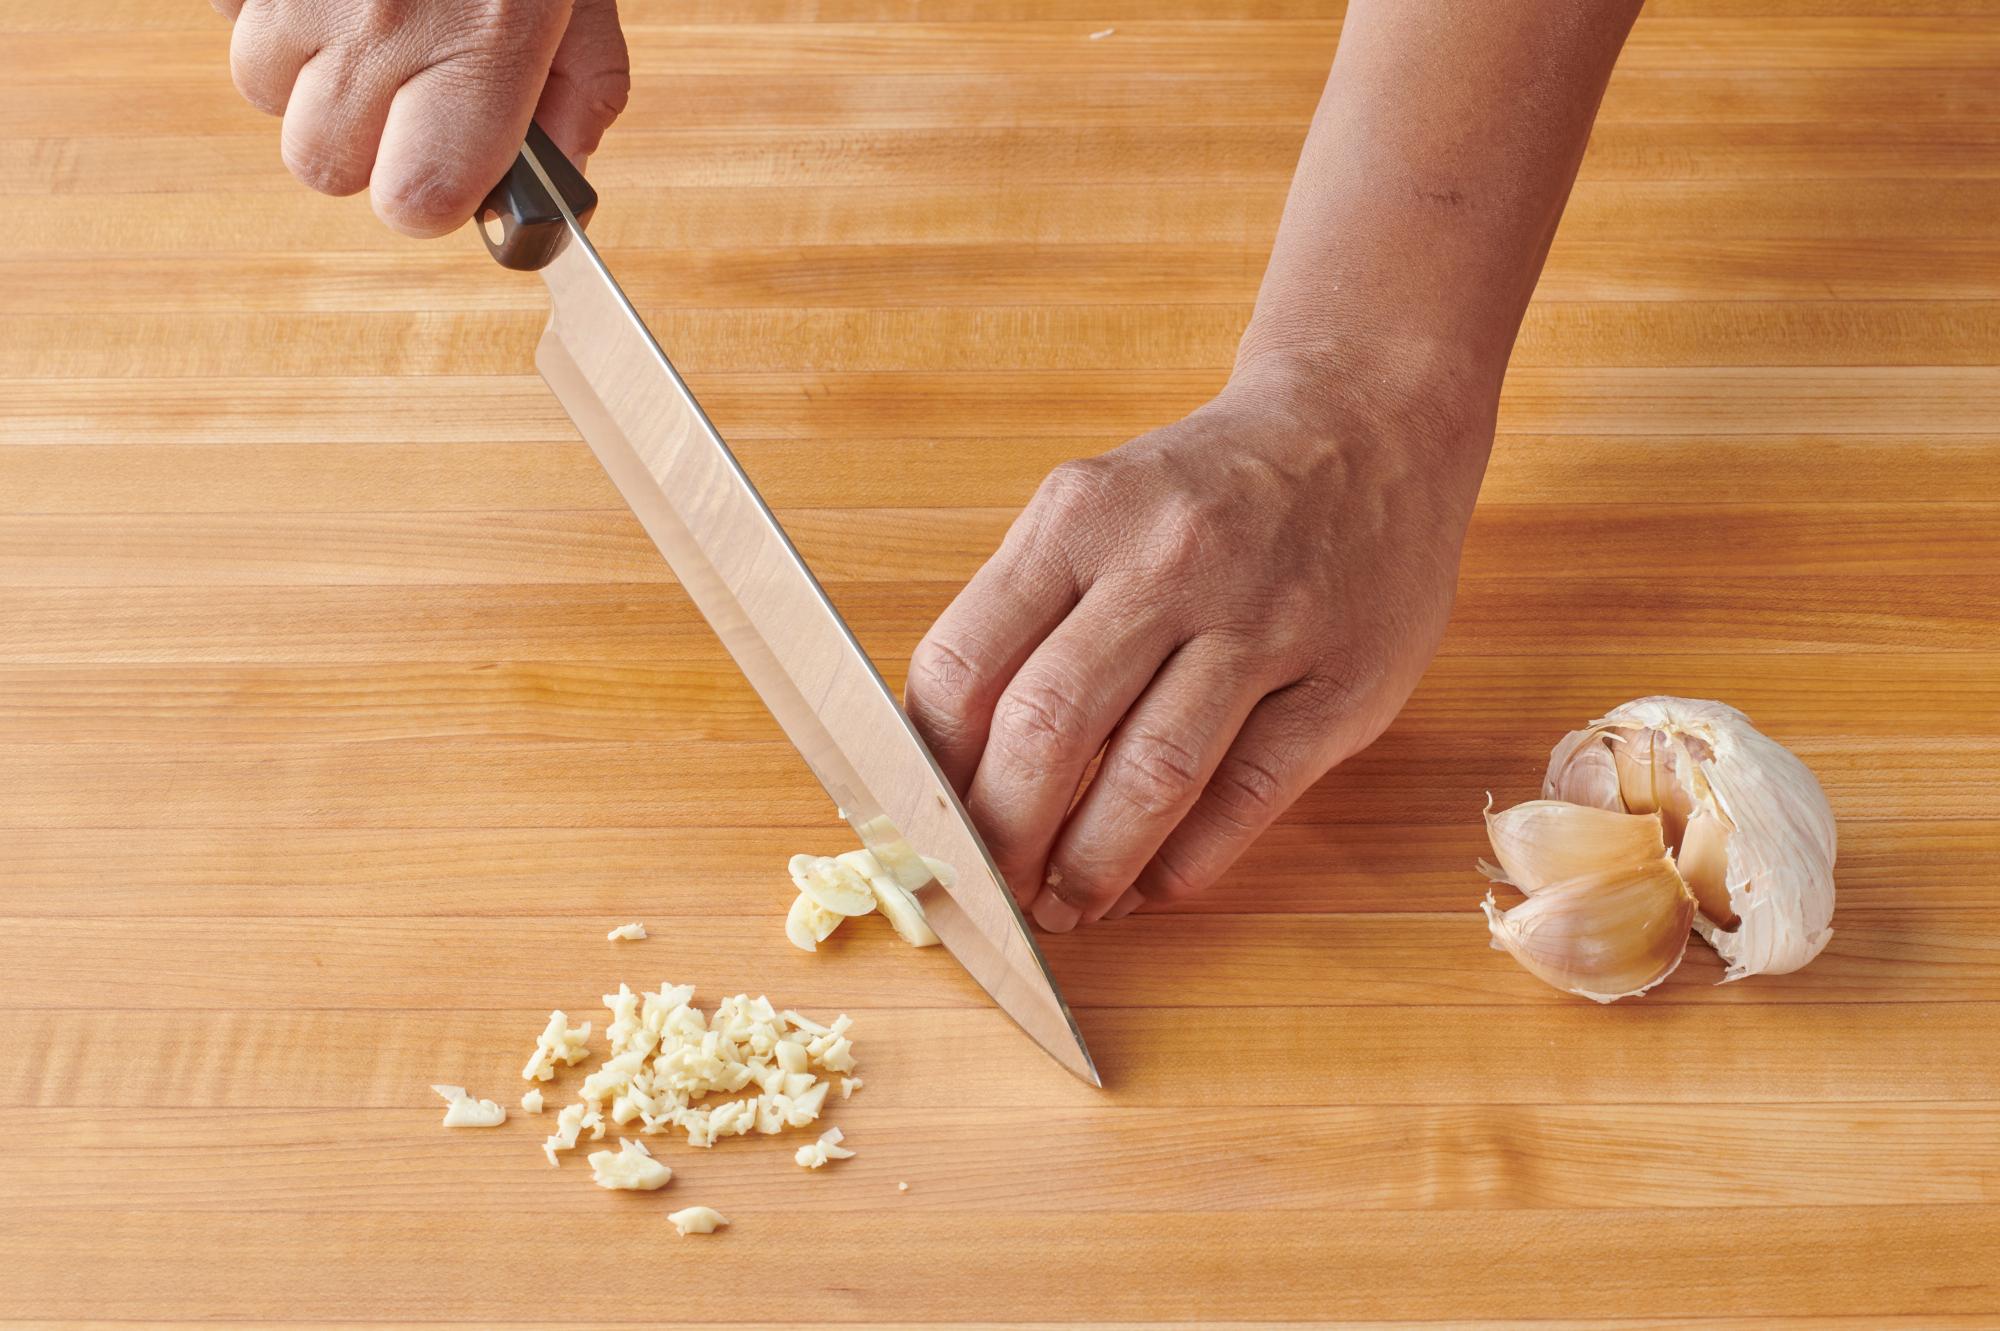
{"points": [[1753, 828]]}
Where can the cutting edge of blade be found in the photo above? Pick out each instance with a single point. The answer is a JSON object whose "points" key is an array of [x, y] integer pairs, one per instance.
{"points": [[1088, 1070]]}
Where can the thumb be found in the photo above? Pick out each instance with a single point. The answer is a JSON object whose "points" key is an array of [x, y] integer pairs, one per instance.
{"points": [[589, 80]]}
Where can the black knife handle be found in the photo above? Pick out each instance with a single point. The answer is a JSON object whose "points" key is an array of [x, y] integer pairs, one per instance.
{"points": [[521, 224]]}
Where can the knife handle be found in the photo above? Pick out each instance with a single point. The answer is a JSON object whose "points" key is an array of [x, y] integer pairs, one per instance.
{"points": [[520, 221]]}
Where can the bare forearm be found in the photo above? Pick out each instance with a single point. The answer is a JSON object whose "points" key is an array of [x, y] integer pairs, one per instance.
{"points": [[1430, 186]]}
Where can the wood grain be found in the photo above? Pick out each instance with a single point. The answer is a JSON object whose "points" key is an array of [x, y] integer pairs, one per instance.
{"points": [[338, 724]]}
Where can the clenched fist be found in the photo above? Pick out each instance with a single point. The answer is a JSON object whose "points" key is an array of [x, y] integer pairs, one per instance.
{"points": [[424, 103]]}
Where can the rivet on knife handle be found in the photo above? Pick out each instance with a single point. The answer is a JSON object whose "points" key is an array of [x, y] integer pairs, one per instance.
{"points": [[520, 221]]}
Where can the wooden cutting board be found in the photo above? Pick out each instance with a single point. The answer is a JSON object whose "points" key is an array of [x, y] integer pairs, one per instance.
{"points": [[343, 710]]}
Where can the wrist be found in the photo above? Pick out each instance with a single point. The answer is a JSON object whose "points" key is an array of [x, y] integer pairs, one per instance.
{"points": [[1421, 403]]}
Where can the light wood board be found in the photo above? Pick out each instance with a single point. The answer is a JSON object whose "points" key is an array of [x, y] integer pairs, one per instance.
{"points": [[343, 710]]}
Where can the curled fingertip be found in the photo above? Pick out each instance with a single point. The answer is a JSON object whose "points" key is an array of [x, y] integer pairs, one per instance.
{"points": [[1125, 904], [1055, 915]]}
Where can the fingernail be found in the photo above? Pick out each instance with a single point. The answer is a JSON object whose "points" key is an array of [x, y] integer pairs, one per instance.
{"points": [[1125, 905], [1055, 915]]}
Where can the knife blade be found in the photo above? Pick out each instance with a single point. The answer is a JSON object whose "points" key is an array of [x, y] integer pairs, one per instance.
{"points": [[743, 573]]}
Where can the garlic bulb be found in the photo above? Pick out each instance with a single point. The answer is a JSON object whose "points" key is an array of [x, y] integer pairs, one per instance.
{"points": [[1666, 813]]}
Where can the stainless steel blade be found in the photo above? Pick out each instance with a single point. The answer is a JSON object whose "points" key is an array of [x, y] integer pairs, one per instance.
{"points": [[742, 572]]}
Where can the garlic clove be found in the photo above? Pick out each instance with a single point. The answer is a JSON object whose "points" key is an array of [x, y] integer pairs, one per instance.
{"points": [[1704, 865], [1633, 756], [1550, 841], [1609, 934], [1582, 771]]}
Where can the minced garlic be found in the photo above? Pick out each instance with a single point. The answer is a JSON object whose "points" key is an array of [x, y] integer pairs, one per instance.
{"points": [[532, 1100], [463, 1111], [665, 1056], [626, 931], [631, 1167], [570, 1124], [559, 1042], [697, 1220], [828, 1147]]}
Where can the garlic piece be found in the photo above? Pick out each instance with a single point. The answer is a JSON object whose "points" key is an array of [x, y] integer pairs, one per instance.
{"points": [[831, 887], [849, 1085], [1751, 829], [897, 903], [808, 924], [813, 1155], [1606, 935], [463, 1111], [832, 884], [531, 1100], [570, 1124], [697, 1220], [626, 931], [631, 1168], [558, 1043]]}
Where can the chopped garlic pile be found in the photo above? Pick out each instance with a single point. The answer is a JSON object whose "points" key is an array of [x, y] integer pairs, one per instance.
{"points": [[697, 1220], [463, 1111], [626, 931], [664, 1056], [558, 1043], [828, 1147], [838, 887], [631, 1167]]}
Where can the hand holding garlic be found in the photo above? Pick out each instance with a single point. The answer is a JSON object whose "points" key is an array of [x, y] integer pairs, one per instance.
{"points": [[1665, 815]]}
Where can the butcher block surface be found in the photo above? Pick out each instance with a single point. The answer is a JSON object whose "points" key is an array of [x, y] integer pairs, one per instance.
{"points": [[343, 708]]}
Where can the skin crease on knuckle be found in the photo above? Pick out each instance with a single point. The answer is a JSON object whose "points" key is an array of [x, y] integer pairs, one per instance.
{"points": [[1156, 775], [940, 693], [1037, 726]]}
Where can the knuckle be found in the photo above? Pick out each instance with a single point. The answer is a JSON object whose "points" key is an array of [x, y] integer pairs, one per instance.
{"points": [[1155, 773], [428, 199], [247, 76], [328, 167], [1073, 487], [940, 688], [1246, 794], [1169, 880], [606, 94], [1185, 531], [382, 20], [1295, 619], [1038, 726]]}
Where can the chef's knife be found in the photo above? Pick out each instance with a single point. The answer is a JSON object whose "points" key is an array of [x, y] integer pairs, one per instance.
{"points": [[747, 579]]}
